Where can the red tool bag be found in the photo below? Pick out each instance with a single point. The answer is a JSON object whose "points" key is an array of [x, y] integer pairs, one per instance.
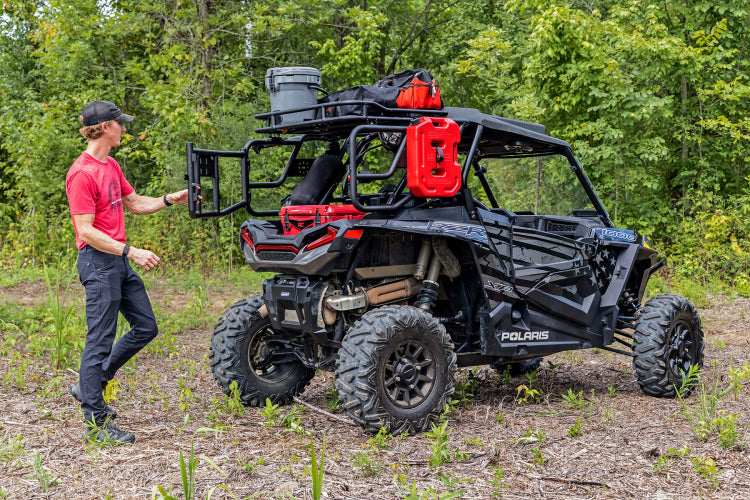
{"points": [[411, 89]]}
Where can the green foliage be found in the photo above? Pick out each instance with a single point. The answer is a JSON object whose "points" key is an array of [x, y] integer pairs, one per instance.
{"points": [[414, 493], [250, 466], [657, 110], [62, 342]]}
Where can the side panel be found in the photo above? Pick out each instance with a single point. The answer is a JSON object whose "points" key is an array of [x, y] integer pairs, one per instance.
{"points": [[554, 274]]}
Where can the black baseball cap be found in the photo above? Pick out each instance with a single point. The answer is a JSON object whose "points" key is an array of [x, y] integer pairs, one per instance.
{"points": [[103, 111]]}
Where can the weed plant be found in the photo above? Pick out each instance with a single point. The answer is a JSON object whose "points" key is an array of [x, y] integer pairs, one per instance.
{"points": [[62, 336], [251, 466], [413, 493], [46, 479], [293, 423], [703, 415], [576, 430], [574, 400], [464, 394], [367, 464], [527, 395], [497, 482], [11, 448], [534, 437], [438, 439], [332, 401], [270, 412], [381, 440]]}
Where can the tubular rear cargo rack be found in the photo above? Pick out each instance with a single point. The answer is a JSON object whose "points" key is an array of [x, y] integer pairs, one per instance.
{"points": [[204, 163]]}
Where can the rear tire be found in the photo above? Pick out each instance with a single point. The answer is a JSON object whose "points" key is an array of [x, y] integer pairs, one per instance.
{"points": [[396, 369], [241, 350], [668, 340]]}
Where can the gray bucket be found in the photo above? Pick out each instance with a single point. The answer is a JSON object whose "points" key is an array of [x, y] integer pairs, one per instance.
{"points": [[290, 88]]}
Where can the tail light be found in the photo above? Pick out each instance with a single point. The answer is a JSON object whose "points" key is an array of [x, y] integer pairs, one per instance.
{"points": [[327, 238], [353, 234], [245, 234]]}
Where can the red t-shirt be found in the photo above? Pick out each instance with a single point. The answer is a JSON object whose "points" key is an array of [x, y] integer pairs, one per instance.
{"points": [[97, 188]]}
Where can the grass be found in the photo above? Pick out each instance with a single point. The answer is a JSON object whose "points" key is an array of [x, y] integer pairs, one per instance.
{"points": [[317, 469]]}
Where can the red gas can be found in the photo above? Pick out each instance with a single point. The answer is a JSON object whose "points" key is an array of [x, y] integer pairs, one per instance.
{"points": [[295, 218], [431, 154]]}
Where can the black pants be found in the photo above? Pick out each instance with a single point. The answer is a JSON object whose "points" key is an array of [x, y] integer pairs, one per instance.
{"points": [[111, 287]]}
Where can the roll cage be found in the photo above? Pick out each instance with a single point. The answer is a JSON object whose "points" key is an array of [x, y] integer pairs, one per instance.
{"points": [[482, 137]]}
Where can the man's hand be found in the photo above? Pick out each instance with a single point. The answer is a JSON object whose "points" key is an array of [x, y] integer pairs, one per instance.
{"points": [[178, 198], [144, 258]]}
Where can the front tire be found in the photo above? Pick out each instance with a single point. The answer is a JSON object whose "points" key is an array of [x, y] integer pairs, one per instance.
{"points": [[668, 341], [396, 369], [243, 349]]}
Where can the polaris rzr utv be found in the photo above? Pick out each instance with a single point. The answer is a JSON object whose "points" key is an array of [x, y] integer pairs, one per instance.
{"points": [[406, 243]]}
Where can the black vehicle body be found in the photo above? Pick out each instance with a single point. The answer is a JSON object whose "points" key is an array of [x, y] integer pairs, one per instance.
{"points": [[505, 286]]}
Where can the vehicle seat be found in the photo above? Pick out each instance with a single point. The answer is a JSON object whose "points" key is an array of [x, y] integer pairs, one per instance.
{"points": [[324, 171]]}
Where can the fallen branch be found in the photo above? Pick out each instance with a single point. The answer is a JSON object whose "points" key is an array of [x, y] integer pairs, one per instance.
{"points": [[323, 412], [570, 481], [8, 422]]}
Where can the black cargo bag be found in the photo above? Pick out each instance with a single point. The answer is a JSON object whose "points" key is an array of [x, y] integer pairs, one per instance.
{"points": [[411, 89]]}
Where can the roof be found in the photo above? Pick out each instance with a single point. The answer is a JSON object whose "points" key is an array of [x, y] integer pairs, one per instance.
{"points": [[501, 137], [504, 137]]}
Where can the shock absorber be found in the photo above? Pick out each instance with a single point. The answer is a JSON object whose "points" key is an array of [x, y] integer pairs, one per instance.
{"points": [[429, 293]]}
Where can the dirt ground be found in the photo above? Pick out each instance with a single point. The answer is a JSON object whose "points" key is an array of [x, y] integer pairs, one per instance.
{"points": [[623, 433]]}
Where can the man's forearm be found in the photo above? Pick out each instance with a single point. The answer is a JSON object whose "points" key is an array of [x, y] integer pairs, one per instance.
{"points": [[144, 205], [100, 241]]}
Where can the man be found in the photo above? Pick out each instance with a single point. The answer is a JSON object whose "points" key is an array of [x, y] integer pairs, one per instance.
{"points": [[97, 191]]}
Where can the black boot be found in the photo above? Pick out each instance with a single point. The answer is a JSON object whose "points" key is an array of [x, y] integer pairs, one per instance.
{"points": [[104, 431], [75, 391]]}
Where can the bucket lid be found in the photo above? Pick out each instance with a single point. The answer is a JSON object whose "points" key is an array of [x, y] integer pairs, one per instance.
{"points": [[292, 70], [292, 74]]}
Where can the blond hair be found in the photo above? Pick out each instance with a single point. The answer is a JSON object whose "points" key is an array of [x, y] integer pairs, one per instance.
{"points": [[93, 132]]}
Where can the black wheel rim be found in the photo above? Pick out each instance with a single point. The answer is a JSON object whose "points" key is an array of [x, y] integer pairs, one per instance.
{"points": [[410, 373], [260, 356], [681, 354]]}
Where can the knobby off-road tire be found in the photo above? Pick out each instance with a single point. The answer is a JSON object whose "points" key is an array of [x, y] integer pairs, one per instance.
{"points": [[668, 340], [239, 352], [396, 369]]}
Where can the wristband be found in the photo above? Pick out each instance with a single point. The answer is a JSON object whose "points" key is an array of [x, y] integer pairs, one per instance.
{"points": [[166, 202], [125, 250]]}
